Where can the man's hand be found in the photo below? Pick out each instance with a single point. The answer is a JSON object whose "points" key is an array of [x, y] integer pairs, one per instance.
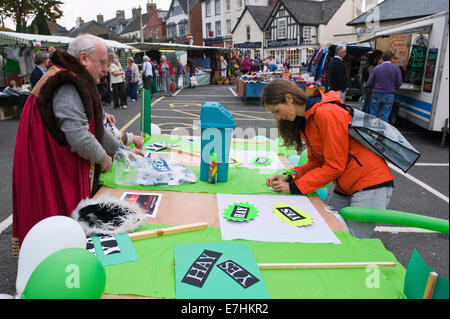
{"points": [[138, 141], [281, 186], [106, 165], [110, 118], [137, 151]]}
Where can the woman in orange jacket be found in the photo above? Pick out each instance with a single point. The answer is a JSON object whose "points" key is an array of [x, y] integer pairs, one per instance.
{"points": [[361, 177]]}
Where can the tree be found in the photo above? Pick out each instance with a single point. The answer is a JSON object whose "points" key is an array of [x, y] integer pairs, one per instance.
{"points": [[22, 10]]}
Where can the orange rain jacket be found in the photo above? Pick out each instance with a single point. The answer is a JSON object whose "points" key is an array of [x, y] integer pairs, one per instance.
{"points": [[335, 156]]}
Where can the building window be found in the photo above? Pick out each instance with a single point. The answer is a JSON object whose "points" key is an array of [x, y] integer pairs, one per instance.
{"points": [[182, 28], [172, 31], [157, 33], [151, 33], [239, 3], [307, 35], [281, 27], [208, 30], [247, 30], [228, 22], [208, 8], [217, 7], [228, 4], [218, 29]]}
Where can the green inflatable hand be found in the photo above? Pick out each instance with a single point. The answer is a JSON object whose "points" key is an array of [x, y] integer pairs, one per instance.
{"points": [[71, 273]]}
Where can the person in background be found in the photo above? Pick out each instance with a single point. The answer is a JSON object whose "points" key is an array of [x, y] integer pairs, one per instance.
{"points": [[253, 67], [62, 121], [287, 65], [223, 66], [372, 61], [336, 76], [132, 76], [50, 52], [147, 73], [41, 60], [361, 177], [272, 64], [117, 82], [166, 75], [257, 64], [245, 65], [384, 80], [180, 73]]}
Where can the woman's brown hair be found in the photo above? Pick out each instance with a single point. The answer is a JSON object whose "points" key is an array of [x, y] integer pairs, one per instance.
{"points": [[275, 93]]}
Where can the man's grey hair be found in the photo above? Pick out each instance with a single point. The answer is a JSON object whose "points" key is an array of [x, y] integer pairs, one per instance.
{"points": [[84, 43], [339, 49], [41, 57], [146, 58]]}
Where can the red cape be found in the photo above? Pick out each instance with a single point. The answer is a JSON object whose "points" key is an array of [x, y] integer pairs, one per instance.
{"points": [[48, 179]]}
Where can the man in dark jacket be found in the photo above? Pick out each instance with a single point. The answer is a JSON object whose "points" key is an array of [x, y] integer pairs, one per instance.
{"points": [[337, 80], [41, 60]]}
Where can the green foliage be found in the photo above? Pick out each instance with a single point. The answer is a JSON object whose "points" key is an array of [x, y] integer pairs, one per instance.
{"points": [[20, 11]]}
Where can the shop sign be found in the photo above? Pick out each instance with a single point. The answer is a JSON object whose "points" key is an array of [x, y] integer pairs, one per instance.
{"points": [[281, 43]]}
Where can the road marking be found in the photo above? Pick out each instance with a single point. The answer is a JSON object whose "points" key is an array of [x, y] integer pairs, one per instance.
{"points": [[175, 94], [232, 91], [420, 183], [394, 230], [6, 223], [431, 164], [137, 116]]}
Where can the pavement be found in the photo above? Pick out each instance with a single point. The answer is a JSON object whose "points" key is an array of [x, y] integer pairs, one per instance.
{"points": [[424, 190]]}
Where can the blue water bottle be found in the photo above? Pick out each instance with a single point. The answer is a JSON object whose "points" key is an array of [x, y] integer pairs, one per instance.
{"points": [[216, 125]]}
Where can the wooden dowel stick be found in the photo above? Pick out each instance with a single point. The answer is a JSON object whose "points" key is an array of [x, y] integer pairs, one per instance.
{"points": [[167, 231], [431, 284], [325, 265], [179, 150]]}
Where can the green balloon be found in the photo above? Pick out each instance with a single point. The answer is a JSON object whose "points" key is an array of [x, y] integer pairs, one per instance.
{"points": [[386, 216], [303, 158], [71, 273]]}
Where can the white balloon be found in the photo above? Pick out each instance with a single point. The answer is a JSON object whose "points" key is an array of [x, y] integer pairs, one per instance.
{"points": [[46, 237]]}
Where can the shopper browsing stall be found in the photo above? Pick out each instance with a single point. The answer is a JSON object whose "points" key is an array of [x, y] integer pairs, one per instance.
{"points": [[361, 177]]}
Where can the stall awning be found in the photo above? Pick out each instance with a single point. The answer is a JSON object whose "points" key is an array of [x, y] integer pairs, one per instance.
{"points": [[13, 38], [173, 46]]}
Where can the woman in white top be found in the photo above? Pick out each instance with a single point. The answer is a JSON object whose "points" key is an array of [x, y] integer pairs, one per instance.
{"points": [[117, 81], [147, 73]]}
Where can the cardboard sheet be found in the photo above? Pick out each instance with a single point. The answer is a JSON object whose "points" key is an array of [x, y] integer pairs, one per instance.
{"points": [[268, 226]]}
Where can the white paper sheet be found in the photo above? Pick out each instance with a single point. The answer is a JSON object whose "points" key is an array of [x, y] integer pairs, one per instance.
{"points": [[267, 226]]}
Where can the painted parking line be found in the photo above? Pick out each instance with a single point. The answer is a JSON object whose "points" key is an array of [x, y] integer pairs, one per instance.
{"points": [[420, 183], [232, 91], [127, 125], [432, 164], [6, 223], [395, 230]]}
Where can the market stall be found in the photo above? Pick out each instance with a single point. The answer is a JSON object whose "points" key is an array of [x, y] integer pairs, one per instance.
{"points": [[158, 269], [252, 86]]}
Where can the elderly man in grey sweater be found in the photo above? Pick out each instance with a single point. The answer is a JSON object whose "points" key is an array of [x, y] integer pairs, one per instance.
{"points": [[61, 144], [69, 109]]}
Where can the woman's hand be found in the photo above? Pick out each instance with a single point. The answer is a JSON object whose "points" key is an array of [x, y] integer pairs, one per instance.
{"points": [[281, 186], [270, 180]]}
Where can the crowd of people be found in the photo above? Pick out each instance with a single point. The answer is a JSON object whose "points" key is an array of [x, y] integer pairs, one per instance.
{"points": [[246, 65]]}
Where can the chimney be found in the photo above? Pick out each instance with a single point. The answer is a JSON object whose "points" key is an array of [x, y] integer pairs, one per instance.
{"points": [[120, 14], [135, 12], [100, 18], [272, 3], [79, 22], [150, 5]]}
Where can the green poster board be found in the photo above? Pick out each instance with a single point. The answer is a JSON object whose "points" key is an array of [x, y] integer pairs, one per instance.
{"points": [[430, 67], [218, 270], [416, 64]]}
